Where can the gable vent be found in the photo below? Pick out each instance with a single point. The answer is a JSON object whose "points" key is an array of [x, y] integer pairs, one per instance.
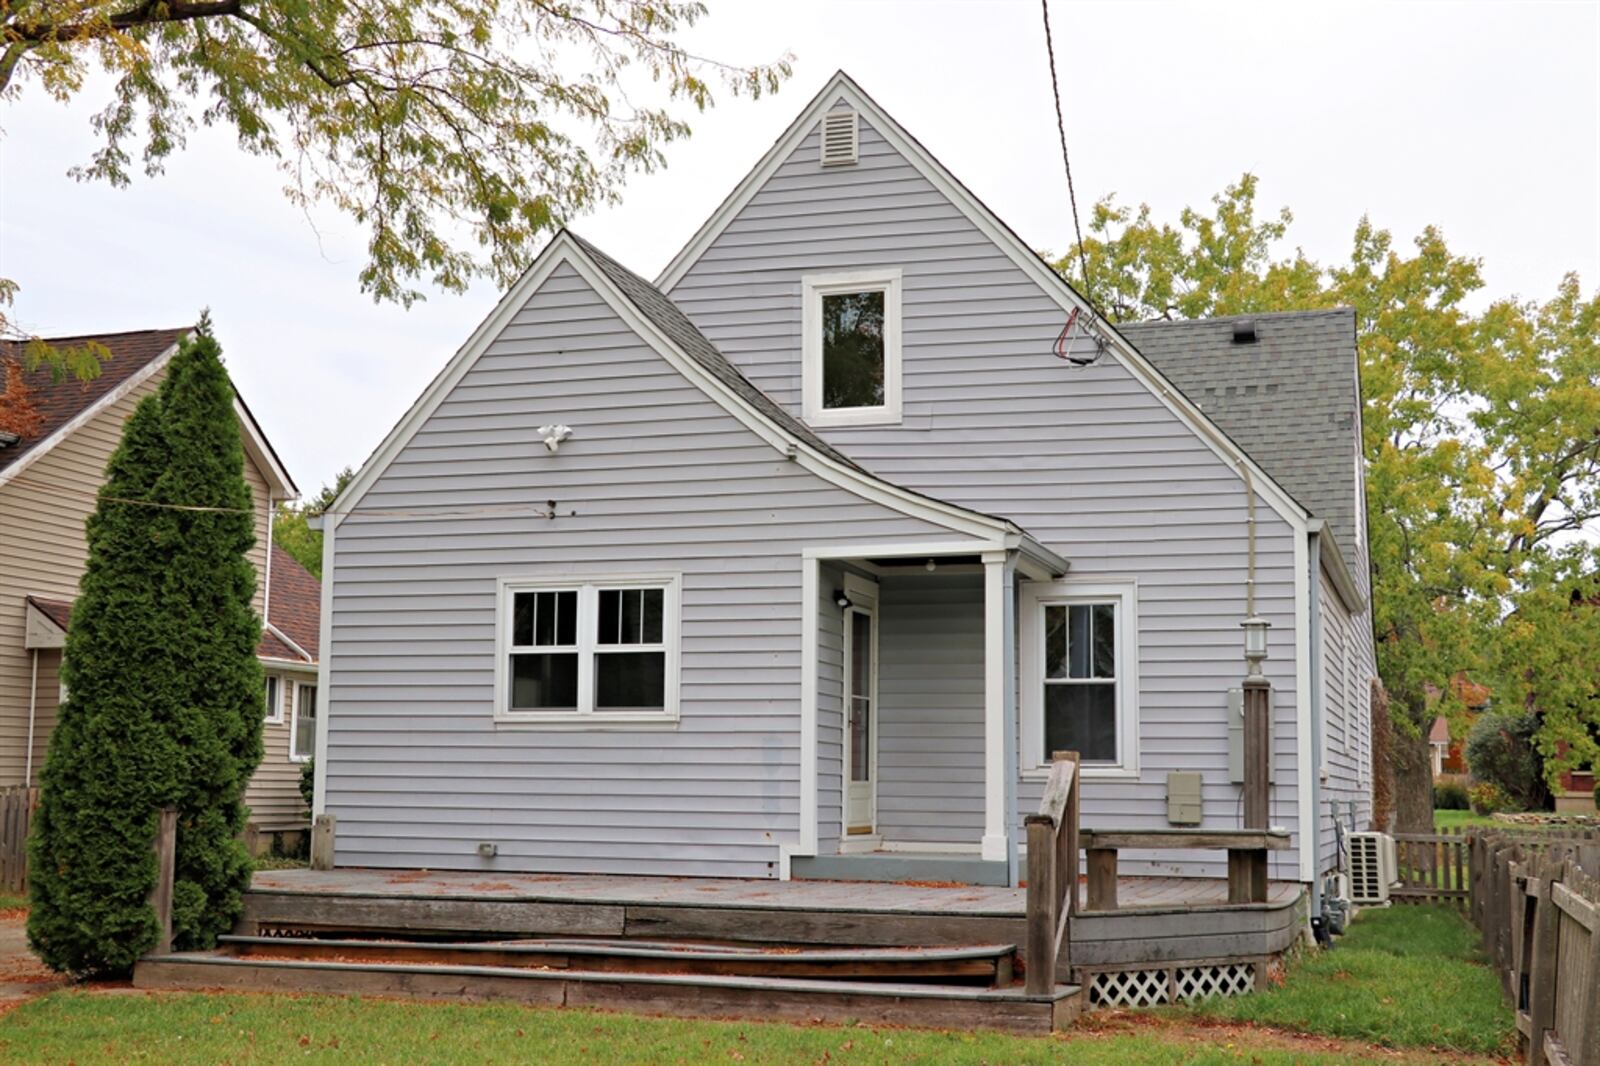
{"points": [[840, 142]]}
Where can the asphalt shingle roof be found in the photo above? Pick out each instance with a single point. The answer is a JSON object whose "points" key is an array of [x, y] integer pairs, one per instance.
{"points": [[669, 319], [61, 401], [1289, 400]]}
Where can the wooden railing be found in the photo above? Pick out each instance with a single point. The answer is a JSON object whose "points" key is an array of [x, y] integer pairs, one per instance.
{"points": [[1052, 874], [16, 817], [1536, 899], [1247, 857]]}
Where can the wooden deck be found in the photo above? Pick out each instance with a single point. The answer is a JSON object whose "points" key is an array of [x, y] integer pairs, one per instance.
{"points": [[902, 952], [1133, 893]]}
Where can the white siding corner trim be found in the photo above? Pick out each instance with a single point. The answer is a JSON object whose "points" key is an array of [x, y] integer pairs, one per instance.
{"points": [[1036, 595], [816, 286], [319, 772]]}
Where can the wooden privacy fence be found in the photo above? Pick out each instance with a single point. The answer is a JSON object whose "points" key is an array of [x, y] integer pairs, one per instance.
{"points": [[1432, 867], [17, 805], [1536, 899]]}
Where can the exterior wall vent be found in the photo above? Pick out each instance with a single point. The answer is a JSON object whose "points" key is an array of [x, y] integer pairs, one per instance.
{"points": [[1244, 331], [841, 143]]}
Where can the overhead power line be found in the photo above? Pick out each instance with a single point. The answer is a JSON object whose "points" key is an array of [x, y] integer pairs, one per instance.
{"points": [[1061, 128]]}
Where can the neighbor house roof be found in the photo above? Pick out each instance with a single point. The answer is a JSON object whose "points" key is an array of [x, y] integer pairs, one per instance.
{"points": [[70, 402], [1289, 399], [294, 610], [59, 402], [58, 611], [1440, 733], [295, 603]]}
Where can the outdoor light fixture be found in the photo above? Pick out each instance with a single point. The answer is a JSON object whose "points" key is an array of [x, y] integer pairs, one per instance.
{"points": [[554, 435], [932, 566], [841, 599], [1255, 642]]}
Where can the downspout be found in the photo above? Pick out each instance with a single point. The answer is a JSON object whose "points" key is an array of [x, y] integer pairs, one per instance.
{"points": [[1315, 768], [33, 708]]}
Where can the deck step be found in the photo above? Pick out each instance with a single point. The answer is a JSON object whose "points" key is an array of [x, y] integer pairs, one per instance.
{"points": [[693, 995], [987, 963]]}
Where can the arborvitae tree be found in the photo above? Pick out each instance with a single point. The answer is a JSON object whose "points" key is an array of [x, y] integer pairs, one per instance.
{"points": [[164, 704], [207, 602]]}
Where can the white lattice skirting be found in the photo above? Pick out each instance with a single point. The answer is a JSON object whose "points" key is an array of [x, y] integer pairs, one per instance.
{"points": [[1149, 988]]}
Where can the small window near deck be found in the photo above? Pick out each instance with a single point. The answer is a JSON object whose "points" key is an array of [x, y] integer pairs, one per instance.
{"points": [[1079, 657], [851, 367], [1080, 683], [274, 700]]}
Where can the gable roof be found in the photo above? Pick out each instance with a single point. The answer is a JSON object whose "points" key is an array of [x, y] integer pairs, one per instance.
{"points": [[136, 356], [671, 320], [1289, 399], [660, 324], [842, 87], [294, 602], [294, 612], [64, 404]]}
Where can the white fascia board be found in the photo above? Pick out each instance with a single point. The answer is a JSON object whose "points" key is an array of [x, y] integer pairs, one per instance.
{"points": [[77, 421], [563, 250], [1053, 285], [261, 451], [1338, 572]]}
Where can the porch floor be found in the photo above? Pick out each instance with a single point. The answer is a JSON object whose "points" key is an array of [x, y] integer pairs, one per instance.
{"points": [[1133, 893]]}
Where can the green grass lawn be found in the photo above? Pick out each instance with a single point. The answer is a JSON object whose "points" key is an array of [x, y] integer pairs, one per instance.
{"points": [[1459, 819], [1408, 976], [85, 1028]]}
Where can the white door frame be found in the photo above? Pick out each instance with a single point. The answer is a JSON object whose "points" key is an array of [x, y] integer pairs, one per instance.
{"points": [[863, 595]]}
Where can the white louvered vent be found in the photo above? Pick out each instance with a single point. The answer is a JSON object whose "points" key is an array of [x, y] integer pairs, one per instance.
{"points": [[841, 145]]}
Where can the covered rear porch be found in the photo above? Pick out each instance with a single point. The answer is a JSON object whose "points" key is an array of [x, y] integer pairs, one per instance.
{"points": [[909, 751]]}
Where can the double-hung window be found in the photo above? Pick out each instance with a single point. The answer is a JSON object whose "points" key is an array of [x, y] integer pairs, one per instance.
{"points": [[303, 738], [1079, 657], [850, 372], [593, 651]]}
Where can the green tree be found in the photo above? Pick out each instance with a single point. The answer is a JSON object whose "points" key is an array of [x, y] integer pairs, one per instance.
{"points": [[455, 135], [292, 531], [164, 690], [1482, 446]]}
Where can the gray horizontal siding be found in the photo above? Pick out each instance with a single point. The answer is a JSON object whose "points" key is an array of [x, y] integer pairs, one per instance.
{"points": [[1347, 721], [660, 479], [1089, 461]]}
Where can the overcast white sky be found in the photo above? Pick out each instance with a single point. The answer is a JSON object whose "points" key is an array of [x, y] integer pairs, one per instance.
{"points": [[1483, 118]]}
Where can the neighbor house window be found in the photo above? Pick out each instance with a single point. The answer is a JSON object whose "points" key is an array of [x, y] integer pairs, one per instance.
{"points": [[1079, 659], [851, 348], [303, 737], [601, 650], [274, 700]]}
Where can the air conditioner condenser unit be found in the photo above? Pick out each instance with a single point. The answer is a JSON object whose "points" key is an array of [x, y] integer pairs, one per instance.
{"points": [[1373, 869]]}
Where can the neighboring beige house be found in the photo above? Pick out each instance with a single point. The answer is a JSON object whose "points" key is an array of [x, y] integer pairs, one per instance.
{"points": [[48, 481]]}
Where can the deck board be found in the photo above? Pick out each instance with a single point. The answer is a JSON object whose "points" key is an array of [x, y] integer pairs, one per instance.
{"points": [[733, 893]]}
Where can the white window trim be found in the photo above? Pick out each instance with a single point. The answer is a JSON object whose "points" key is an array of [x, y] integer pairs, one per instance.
{"points": [[294, 719], [586, 717], [813, 288], [1035, 596], [275, 710]]}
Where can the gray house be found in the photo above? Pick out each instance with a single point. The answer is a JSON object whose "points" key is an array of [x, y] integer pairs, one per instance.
{"points": [[802, 559]]}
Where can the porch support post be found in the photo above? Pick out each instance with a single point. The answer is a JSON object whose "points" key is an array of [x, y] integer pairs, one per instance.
{"points": [[999, 709]]}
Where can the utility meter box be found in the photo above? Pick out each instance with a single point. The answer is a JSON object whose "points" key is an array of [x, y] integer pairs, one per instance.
{"points": [[1183, 798], [1236, 739]]}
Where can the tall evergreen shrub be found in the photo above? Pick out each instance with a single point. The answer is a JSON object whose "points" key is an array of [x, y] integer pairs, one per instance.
{"points": [[164, 704]]}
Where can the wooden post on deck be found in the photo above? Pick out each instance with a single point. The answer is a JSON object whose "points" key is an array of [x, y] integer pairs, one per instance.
{"points": [[322, 830], [1247, 870], [166, 849]]}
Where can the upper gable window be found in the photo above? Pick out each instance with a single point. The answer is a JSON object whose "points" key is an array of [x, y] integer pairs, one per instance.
{"points": [[851, 348]]}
